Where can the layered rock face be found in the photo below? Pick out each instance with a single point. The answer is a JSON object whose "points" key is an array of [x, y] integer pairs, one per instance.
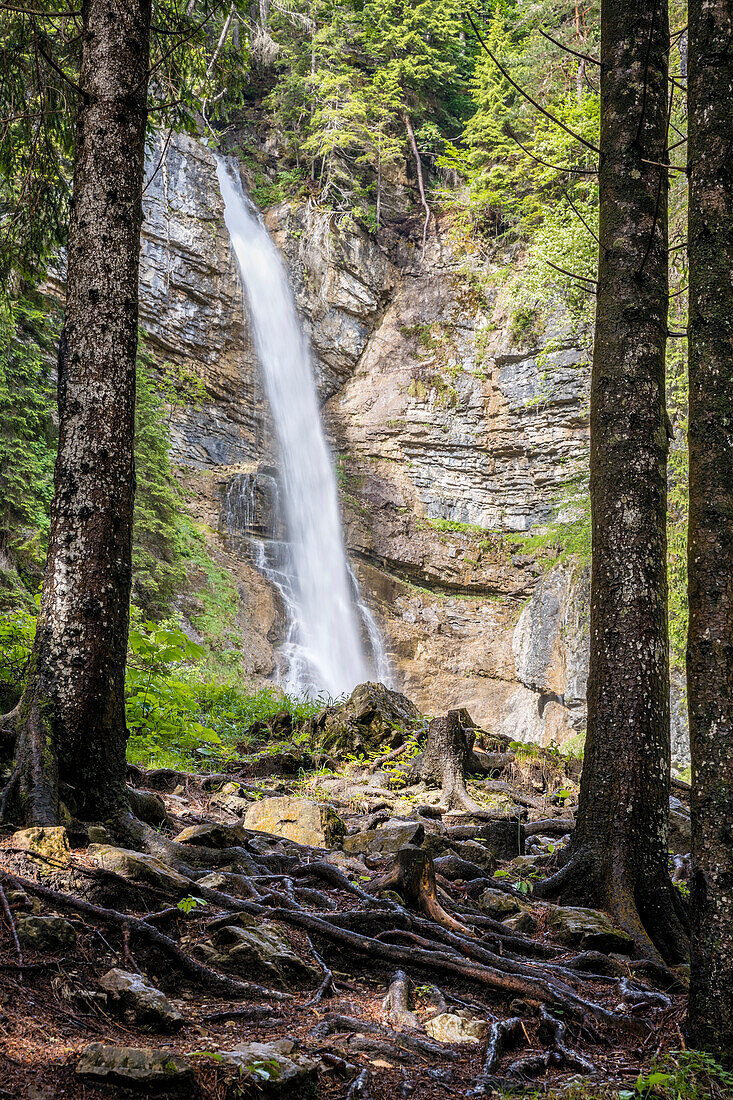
{"points": [[451, 434]]}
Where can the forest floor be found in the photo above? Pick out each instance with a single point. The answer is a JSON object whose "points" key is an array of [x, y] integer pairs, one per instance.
{"points": [[491, 993]]}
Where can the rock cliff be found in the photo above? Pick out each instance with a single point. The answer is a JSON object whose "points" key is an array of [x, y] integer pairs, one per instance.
{"points": [[452, 433]]}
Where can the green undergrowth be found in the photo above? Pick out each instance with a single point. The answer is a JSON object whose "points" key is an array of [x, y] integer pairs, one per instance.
{"points": [[675, 1075]]}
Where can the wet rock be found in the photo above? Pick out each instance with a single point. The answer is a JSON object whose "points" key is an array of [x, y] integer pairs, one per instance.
{"points": [[139, 1067], [589, 929], [257, 948], [497, 904], [455, 1027], [139, 1001], [213, 835], [138, 868], [386, 841], [297, 819], [50, 841], [46, 933], [275, 1070], [373, 717]]}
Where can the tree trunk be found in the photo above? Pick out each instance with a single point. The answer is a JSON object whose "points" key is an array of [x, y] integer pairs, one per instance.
{"points": [[70, 722], [710, 551], [617, 858]]}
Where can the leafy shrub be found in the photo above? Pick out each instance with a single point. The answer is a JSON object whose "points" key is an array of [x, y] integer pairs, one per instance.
{"points": [[161, 706]]}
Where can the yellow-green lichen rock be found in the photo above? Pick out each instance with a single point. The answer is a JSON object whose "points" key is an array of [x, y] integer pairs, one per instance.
{"points": [[297, 819], [49, 841]]}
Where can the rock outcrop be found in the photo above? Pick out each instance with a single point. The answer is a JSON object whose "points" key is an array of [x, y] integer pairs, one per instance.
{"points": [[456, 429]]}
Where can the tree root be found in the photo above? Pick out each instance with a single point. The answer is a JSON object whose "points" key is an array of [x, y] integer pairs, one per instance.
{"points": [[328, 987], [653, 917], [13, 930], [557, 1029], [359, 1088], [193, 969], [398, 1002]]}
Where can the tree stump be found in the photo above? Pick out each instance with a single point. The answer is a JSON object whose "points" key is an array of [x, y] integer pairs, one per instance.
{"points": [[447, 761], [413, 877]]}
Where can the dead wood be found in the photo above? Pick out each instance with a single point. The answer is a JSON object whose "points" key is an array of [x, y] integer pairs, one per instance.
{"points": [[13, 930], [413, 877], [398, 1004]]}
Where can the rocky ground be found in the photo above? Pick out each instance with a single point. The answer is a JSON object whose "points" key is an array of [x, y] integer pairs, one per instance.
{"points": [[320, 922]]}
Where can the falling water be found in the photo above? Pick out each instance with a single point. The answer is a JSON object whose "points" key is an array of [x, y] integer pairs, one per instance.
{"points": [[324, 648]]}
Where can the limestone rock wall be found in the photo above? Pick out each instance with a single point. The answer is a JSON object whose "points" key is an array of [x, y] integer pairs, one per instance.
{"points": [[450, 434]]}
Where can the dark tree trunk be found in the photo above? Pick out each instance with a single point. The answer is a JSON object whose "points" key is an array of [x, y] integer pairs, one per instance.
{"points": [[70, 723], [618, 853], [710, 551]]}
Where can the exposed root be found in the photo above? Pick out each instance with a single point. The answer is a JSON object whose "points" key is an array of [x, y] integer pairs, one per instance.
{"points": [[193, 969], [557, 1030], [503, 1035], [359, 1088], [652, 916], [398, 1002], [328, 987], [13, 930]]}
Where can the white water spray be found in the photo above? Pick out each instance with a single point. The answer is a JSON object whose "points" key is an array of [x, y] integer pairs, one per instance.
{"points": [[324, 648]]}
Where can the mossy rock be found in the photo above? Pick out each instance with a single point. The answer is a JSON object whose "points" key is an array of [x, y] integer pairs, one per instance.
{"points": [[372, 718]]}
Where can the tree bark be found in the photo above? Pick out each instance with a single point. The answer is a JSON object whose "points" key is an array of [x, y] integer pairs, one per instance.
{"points": [[710, 548], [70, 722], [618, 852]]}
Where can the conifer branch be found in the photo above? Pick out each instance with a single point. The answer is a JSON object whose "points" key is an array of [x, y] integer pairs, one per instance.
{"points": [[527, 96]]}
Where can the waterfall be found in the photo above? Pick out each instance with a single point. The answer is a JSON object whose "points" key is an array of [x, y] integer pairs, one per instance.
{"points": [[324, 650]]}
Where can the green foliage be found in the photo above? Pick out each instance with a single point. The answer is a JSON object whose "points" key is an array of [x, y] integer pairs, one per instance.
{"points": [[190, 903], [161, 705], [158, 566], [17, 631], [27, 434], [682, 1075]]}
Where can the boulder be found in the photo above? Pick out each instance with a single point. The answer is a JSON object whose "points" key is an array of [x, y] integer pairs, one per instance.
{"points": [[497, 904], [386, 841], [213, 835], [139, 1067], [589, 929], [227, 882], [231, 800], [256, 948], [455, 1027], [46, 933], [50, 841], [139, 1001], [138, 868], [373, 717], [275, 1071], [297, 819]]}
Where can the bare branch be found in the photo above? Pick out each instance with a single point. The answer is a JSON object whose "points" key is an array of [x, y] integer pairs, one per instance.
{"points": [[562, 46]]}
